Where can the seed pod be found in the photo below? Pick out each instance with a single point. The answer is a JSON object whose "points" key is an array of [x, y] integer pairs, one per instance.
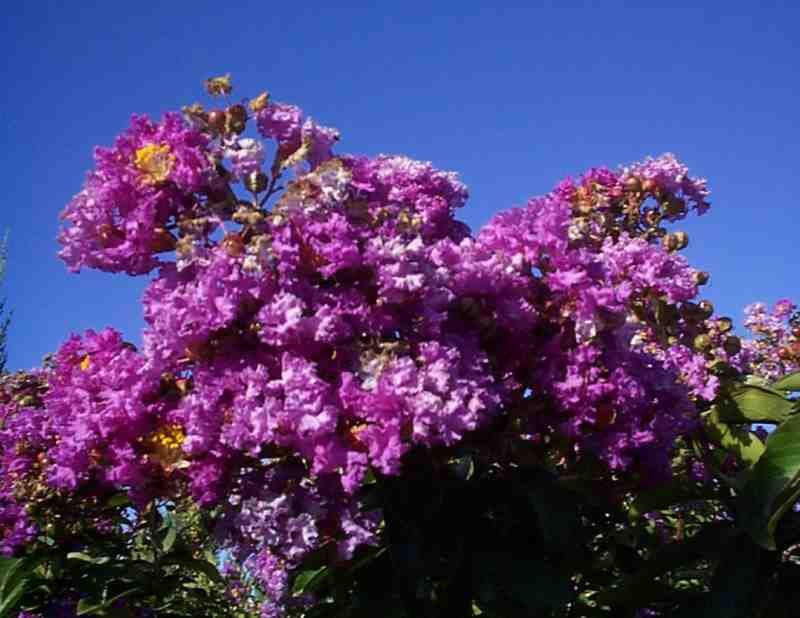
{"points": [[701, 277], [256, 182], [705, 308], [233, 245], [702, 343], [652, 217], [732, 345], [242, 213], [674, 208], [162, 241], [216, 120], [235, 119], [682, 239], [633, 184], [110, 235], [254, 218], [669, 242], [724, 325]]}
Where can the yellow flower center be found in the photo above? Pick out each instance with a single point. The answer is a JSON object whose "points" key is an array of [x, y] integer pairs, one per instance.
{"points": [[85, 363], [164, 445], [154, 162]]}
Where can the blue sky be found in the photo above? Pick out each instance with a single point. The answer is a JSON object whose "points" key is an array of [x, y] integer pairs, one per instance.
{"points": [[512, 96]]}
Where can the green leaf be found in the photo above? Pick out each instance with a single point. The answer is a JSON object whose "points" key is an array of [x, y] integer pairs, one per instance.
{"points": [[13, 580], [170, 537], [659, 498], [755, 404], [774, 485], [462, 467], [83, 557], [89, 606], [739, 441], [735, 588], [118, 499], [10, 598], [504, 581], [643, 587], [8, 566], [557, 513], [306, 579], [199, 566], [790, 382]]}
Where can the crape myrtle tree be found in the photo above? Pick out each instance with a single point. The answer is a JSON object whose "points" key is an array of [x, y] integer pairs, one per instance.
{"points": [[4, 317], [347, 403]]}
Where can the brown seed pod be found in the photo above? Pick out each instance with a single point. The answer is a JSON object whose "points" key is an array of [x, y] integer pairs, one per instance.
{"points": [[682, 238], [235, 119], [633, 184], [110, 235], [702, 343], [674, 208], [669, 242], [724, 325], [256, 182], [216, 120], [233, 245], [162, 241], [701, 277], [732, 345], [652, 217], [705, 308]]}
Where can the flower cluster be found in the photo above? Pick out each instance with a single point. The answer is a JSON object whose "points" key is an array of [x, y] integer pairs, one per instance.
{"points": [[774, 349], [311, 322], [23, 434]]}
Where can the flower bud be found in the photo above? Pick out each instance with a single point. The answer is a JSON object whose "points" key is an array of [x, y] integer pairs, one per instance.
{"points": [[702, 343], [732, 345], [256, 182]]}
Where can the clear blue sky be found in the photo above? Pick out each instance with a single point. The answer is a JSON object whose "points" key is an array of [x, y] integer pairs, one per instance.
{"points": [[512, 96]]}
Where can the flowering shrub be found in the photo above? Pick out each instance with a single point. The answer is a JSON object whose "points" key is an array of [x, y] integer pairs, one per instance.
{"points": [[329, 349]]}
